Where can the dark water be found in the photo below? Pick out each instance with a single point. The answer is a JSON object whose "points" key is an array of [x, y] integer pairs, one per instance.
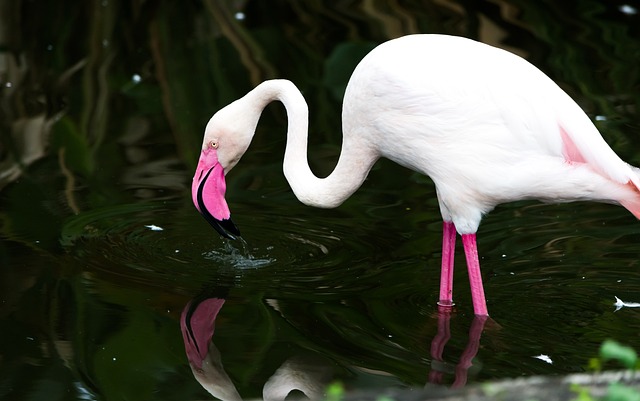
{"points": [[102, 112]]}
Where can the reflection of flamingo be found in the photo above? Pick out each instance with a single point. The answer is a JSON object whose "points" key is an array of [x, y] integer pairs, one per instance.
{"points": [[466, 359], [198, 324], [305, 373], [487, 127]]}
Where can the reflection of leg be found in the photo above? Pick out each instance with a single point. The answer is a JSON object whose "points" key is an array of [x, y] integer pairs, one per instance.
{"points": [[437, 346], [446, 270], [475, 276], [466, 359]]}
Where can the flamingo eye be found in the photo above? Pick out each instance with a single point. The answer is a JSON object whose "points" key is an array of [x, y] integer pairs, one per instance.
{"points": [[213, 144]]}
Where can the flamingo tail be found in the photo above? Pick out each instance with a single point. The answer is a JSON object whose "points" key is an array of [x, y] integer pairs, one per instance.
{"points": [[631, 201], [632, 204]]}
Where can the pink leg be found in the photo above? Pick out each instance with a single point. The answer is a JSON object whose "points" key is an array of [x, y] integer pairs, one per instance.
{"points": [[475, 276], [446, 270]]}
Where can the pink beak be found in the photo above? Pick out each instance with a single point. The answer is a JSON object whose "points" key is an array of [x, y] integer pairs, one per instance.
{"points": [[207, 191]]}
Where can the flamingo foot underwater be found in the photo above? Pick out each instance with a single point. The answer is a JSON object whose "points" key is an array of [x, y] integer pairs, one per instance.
{"points": [[484, 124]]}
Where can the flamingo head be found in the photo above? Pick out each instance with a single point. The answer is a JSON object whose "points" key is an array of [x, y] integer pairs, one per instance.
{"points": [[226, 138]]}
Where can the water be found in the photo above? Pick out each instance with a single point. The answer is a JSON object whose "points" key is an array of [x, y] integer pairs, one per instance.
{"points": [[102, 250]]}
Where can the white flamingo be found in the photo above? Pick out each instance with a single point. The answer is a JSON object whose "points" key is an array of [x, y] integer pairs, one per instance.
{"points": [[486, 125]]}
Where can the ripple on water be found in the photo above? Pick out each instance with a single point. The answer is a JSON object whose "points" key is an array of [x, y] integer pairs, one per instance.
{"points": [[160, 245], [238, 258]]}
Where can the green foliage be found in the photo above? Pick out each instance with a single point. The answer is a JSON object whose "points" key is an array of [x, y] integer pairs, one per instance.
{"points": [[615, 392], [66, 138], [620, 392], [611, 350], [583, 393], [335, 392]]}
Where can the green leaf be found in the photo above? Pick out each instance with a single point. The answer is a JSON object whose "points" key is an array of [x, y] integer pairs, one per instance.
{"points": [[583, 393], [620, 392], [335, 391], [595, 364], [612, 350], [65, 137]]}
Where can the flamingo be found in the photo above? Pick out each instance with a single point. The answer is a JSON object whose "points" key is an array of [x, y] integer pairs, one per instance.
{"points": [[485, 125]]}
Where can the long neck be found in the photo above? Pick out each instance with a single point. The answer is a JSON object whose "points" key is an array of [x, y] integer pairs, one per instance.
{"points": [[356, 159]]}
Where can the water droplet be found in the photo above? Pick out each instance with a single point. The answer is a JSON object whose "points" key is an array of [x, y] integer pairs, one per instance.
{"points": [[627, 9], [242, 259]]}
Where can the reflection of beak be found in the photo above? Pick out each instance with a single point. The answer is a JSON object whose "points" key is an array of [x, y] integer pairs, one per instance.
{"points": [[197, 322], [208, 191]]}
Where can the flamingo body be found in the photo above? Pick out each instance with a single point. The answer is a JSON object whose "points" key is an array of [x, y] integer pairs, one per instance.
{"points": [[487, 126]]}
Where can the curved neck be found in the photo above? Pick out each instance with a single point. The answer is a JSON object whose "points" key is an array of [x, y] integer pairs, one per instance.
{"points": [[356, 159]]}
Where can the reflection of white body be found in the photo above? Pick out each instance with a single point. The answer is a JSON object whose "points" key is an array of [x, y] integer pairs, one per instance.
{"points": [[197, 323], [307, 376], [487, 127], [212, 376]]}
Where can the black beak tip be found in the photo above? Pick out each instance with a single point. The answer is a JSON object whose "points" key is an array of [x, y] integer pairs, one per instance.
{"points": [[226, 228]]}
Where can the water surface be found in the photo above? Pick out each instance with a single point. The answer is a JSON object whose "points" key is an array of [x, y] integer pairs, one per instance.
{"points": [[103, 108]]}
